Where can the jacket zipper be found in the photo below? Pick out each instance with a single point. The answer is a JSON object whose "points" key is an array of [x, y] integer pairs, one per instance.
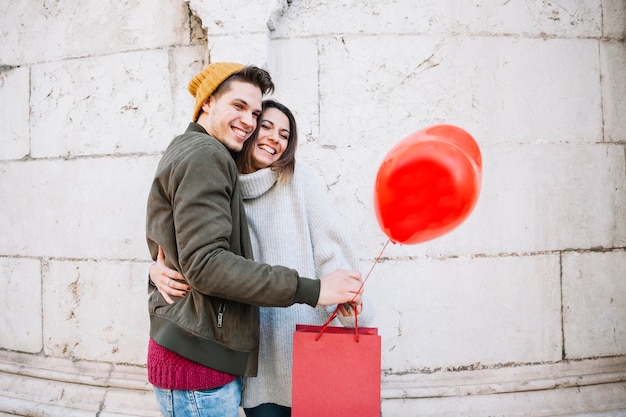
{"points": [[220, 314]]}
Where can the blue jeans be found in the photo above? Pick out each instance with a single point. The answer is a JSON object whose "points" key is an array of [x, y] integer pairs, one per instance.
{"points": [[219, 402]]}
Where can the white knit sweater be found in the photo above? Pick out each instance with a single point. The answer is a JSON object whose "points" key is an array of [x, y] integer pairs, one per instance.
{"points": [[292, 224]]}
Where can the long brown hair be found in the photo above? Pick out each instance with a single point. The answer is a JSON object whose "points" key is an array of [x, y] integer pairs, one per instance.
{"points": [[287, 161]]}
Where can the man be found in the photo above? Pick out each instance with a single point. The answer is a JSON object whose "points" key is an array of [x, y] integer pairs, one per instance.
{"points": [[201, 344]]}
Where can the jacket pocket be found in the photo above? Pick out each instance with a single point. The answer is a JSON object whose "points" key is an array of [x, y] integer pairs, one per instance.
{"points": [[220, 314]]}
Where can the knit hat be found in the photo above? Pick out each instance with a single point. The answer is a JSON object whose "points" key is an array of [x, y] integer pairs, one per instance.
{"points": [[207, 81]]}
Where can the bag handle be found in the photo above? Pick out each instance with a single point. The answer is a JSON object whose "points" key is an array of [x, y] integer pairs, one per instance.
{"points": [[332, 316], [356, 316]]}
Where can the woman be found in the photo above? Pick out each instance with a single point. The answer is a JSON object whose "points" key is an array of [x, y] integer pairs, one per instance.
{"points": [[291, 223]]}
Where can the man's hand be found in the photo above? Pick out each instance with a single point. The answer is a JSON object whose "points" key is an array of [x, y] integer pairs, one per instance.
{"points": [[339, 287]]}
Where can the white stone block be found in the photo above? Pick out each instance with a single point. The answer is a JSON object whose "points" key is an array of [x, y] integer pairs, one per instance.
{"points": [[234, 17], [606, 400], [498, 89], [245, 48], [569, 18], [14, 112], [294, 65], [35, 31], [20, 303], [435, 315], [59, 388], [185, 63], [613, 16], [49, 398], [96, 310], [110, 104], [594, 304], [613, 62], [81, 208], [550, 197], [120, 403], [510, 378], [53, 386]]}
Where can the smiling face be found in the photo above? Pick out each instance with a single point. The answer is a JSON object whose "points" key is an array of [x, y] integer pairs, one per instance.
{"points": [[272, 139], [231, 116]]}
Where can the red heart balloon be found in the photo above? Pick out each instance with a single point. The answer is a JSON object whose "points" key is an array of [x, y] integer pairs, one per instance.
{"points": [[428, 184]]}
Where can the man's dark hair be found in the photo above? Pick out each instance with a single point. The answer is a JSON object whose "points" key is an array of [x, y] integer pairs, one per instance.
{"points": [[249, 74]]}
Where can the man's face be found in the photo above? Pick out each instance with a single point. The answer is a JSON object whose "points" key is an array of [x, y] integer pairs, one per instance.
{"points": [[232, 117]]}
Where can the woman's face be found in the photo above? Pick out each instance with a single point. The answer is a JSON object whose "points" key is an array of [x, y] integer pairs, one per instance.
{"points": [[271, 140]]}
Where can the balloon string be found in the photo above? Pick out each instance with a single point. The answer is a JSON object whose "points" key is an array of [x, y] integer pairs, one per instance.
{"points": [[356, 320], [372, 268]]}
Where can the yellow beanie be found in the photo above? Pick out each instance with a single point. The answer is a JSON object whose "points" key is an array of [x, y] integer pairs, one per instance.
{"points": [[207, 81]]}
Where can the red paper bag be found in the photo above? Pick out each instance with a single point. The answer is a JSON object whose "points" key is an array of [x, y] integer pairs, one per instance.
{"points": [[337, 375]]}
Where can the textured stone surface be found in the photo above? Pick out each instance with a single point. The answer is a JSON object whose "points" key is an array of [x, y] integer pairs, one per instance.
{"points": [[461, 313], [523, 300], [96, 319], [14, 113], [594, 304], [35, 31], [20, 302], [79, 208], [613, 62]]}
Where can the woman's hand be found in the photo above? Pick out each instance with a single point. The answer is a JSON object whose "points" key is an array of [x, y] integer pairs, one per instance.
{"points": [[346, 309], [167, 281]]}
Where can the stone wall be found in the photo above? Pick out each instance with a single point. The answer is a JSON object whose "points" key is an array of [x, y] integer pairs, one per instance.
{"points": [[519, 311]]}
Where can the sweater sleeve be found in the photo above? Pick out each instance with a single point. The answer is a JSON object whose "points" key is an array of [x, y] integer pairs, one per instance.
{"points": [[332, 248]]}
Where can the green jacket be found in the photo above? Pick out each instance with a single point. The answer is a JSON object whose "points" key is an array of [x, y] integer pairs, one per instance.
{"points": [[196, 213]]}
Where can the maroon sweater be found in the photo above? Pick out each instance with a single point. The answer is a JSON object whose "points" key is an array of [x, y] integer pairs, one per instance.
{"points": [[169, 370]]}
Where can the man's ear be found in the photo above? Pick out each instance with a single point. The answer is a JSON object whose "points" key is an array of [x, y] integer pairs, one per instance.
{"points": [[208, 103]]}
